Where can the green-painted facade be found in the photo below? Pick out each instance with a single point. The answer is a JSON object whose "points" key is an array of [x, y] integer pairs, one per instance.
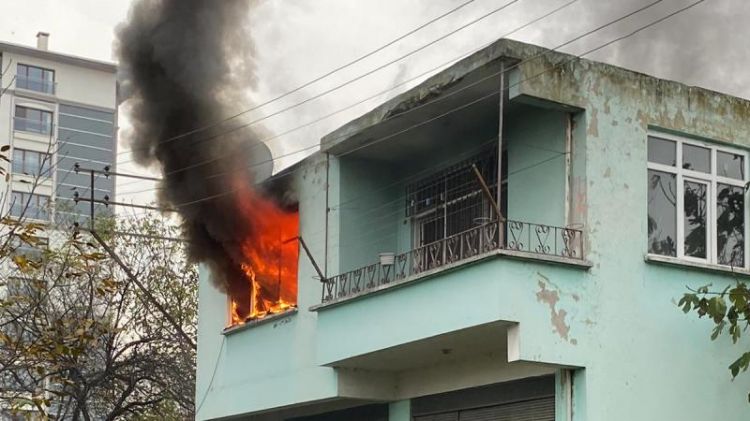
{"points": [[605, 327]]}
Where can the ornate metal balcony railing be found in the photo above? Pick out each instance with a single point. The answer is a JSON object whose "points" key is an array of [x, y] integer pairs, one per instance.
{"points": [[543, 240]]}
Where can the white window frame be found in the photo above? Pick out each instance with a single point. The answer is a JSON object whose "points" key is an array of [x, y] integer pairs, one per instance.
{"points": [[712, 180]]}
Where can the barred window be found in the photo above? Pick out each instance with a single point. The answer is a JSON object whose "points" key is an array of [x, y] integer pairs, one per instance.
{"points": [[451, 201]]}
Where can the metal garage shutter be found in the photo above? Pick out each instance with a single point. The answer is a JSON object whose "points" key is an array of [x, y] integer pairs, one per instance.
{"points": [[542, 409], [533, 410], [449, 416]]}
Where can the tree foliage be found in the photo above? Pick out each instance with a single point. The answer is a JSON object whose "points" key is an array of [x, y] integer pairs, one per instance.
{"points": [[729, 310], [78, 340]]}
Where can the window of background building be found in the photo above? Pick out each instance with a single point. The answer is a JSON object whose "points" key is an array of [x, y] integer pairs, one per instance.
{"points": [[31, 206], [35, 78], [29, 162], [33, 120], [696, 201]]}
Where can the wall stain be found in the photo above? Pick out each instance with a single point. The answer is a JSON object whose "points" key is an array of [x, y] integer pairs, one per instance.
{"points": [[557, 316], [593, 130]]}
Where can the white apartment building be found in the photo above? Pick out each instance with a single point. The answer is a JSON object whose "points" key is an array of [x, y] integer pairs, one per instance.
{"points": [[56, 110]]}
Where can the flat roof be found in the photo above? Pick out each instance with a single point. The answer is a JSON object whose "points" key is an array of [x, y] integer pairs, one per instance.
{"points": [[504, 49], [74, 60]]}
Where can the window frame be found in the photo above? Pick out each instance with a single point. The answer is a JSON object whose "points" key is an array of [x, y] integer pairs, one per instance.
{"points": [[50, 127], [419, 218], [712, 180], [41, 81], [33, 202], [41, 162]]}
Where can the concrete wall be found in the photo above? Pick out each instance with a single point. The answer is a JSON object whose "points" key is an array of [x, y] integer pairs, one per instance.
{"points": [[644, 359], [535, 139], [272, 364], [368, 208]]}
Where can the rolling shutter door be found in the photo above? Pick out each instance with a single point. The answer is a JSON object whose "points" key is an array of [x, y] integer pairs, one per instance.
{"points": [[450, 416], [542, 409], [533, 410]]}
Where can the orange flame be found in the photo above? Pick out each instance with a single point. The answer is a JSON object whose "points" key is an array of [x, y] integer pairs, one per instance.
{"points": [[270, 255]]}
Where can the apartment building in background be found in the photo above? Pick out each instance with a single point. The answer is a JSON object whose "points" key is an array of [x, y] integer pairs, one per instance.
{"points": [[56, 110], [616, 190]]}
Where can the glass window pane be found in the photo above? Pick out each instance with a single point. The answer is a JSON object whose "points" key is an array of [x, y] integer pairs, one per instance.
{"points": [[17, 203], [662, 213], [730, 225], [21, 112], [730, 165], [662, 151], [42, 207], [18, 161], [696, 158], [695, 219], [44, 163], [35, 73], [31, 163]]}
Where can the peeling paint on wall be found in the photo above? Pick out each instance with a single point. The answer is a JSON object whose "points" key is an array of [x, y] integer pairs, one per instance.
{"points": [[557, 317]]}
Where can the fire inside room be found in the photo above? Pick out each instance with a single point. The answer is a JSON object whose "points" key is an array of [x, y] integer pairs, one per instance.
{"points": [[268, 283]]}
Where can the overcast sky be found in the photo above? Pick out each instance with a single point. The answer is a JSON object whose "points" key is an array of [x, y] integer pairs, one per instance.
{"points": [[297, 40]]}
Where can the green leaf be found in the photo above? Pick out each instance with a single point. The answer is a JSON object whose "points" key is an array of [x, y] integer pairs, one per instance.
{"points": [[717, 330], [740, 364], [717, 309]]}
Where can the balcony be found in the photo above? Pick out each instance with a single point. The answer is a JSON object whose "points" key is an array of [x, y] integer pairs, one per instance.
{"points": [[35, 84], [32, 126], [518, 238]]}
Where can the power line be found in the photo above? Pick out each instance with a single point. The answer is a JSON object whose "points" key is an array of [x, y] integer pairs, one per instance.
{"points": [[375, 141], [335, 88], [438, 99], [211, 197], [511, 32], [323, 76]]}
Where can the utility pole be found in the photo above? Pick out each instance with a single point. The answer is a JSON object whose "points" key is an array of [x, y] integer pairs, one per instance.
{"points": [[147, 296]]}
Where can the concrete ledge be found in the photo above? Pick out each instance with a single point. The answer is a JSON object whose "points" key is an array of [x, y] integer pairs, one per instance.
{"points": [[514, 254], [706, 267], [253, 323]]}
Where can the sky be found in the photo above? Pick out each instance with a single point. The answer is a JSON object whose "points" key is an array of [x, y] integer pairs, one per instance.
{"points": [[298, 40]]}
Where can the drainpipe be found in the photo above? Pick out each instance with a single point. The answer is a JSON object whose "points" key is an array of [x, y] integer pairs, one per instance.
{"points": [[569, 214], [328, 210], [500, 135]]}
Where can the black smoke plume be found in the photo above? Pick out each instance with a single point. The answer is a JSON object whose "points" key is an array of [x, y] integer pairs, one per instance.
{"points": [[186, 64]]}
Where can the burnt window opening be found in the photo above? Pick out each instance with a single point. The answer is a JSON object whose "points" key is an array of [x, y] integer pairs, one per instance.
{"points": [[266, 280]]}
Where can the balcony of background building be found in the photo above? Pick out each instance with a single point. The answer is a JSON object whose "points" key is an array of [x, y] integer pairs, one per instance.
{"points": [[32, 125], [34, 78], [36, 84]]}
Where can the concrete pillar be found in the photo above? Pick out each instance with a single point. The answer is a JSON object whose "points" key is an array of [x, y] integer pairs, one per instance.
{"points": [[399, 410]]}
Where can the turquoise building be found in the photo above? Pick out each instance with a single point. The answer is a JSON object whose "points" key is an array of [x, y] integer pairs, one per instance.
{"points": [[616, 190]]}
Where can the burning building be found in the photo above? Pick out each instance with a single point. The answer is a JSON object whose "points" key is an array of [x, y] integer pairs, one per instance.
{"points": [[185, 66]]}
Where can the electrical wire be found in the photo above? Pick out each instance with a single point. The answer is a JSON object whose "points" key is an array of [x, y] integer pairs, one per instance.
{"points": [[337, 69], [211, 197], [442, 97], [340, 110], [375, 141]]}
